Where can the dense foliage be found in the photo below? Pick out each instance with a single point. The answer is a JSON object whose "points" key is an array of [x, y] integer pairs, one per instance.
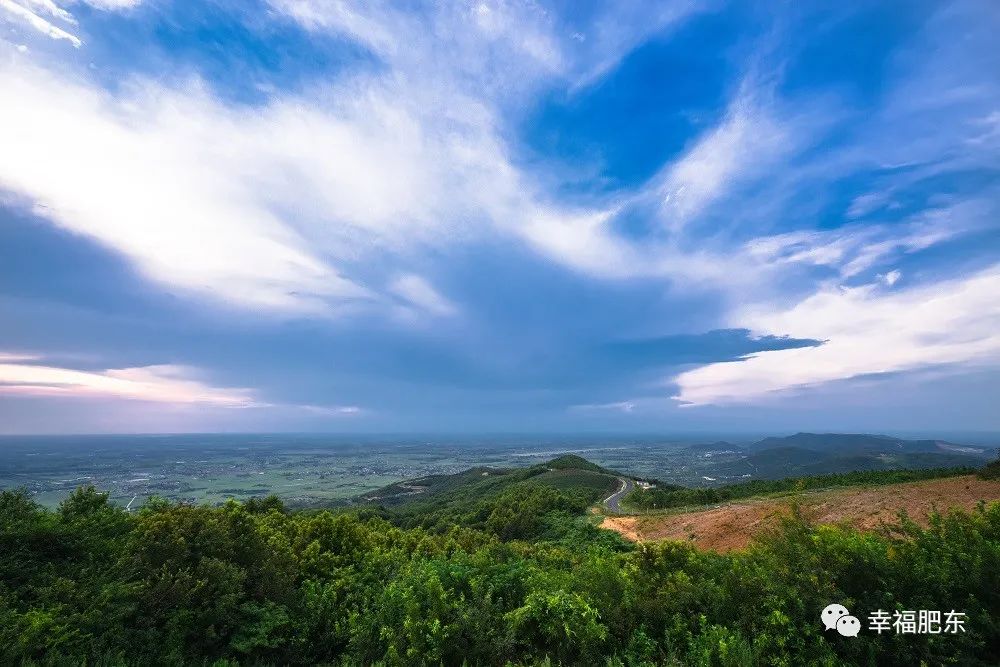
{"points": [[517, 576], [990, 470], [518, 503], [665, 496]]}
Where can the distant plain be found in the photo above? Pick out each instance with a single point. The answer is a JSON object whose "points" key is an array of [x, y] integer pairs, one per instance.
{"points": [[312, 470]]}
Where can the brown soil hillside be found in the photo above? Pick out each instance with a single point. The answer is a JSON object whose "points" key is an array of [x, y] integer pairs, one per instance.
{"points": [[731, 526]]}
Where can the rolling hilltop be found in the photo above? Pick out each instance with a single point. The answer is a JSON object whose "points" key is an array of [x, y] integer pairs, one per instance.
{"points": [[565, 473], [537, 502]]}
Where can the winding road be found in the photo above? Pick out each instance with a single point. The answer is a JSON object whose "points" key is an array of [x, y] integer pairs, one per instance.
{"points": [[612, 501]]}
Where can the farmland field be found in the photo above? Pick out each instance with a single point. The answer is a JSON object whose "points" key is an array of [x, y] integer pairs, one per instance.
{"points": [[311, 470]]}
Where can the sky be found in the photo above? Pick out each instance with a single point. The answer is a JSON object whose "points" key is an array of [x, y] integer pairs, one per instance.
{"points": [[499, 216]]}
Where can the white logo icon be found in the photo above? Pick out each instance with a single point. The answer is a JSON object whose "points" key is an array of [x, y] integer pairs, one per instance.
{"points": [[849, 626], [833, 613]]}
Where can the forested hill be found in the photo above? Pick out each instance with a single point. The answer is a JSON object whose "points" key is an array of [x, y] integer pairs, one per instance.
{"points": [[501, 569], [511, 502], [568, 472]]}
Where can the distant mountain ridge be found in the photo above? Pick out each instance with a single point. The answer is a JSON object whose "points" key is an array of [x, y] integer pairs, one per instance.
{"points": [[850, 444], [824, 453]]}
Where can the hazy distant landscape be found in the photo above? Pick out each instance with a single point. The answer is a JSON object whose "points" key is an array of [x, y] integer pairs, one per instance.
{"points": [[323, 469]]}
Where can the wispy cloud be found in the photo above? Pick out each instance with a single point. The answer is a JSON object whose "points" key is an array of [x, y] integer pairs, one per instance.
{"points": [[867, 330], [621, 27], [417, 292], [15, 357], [619, 406], [51, 8], [31, 376], [34, 13], [867, 203], [178, 184], [333, 410], [113, 5], [853, 249], [274, 208], [159, 383], [23, 13], [743, 144]]}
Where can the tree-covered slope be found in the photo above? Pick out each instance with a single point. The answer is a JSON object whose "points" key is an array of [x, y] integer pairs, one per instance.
{"points": [[511, 502], [253, 584], [501, 569], [567, 472]]}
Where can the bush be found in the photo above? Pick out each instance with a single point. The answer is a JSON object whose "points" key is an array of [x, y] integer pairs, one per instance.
{"points": [[990, 470]]}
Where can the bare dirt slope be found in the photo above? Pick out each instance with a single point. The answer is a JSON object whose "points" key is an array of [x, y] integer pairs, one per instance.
{"points": [[732, 526]]}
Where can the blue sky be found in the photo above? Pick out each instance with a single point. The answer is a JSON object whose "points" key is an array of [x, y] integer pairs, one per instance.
{"points": [[499, 216]]}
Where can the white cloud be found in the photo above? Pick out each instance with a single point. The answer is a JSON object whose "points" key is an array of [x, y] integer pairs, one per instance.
{"points": [[866, 203], [333, 410], [486, 49], [467, 63], [15, 357], [990, 125], [275, 206], [621, 406], [500, 47], [52, 9], [271, 207], [28, 375], [586, 241], [416, 291], [619, 29], [891, 277], [113, 5], [190, 190], [32, 11], [582, 240], [39, 23], [342, 17], [853, 249], [867, 331], [159, 384], [747, 140]]}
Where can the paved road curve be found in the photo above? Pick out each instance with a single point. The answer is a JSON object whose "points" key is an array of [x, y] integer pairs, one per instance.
{"points": [[612, 501]]}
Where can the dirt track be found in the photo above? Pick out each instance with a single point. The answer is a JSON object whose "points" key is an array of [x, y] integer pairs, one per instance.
{"points": [[732, 526]]}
